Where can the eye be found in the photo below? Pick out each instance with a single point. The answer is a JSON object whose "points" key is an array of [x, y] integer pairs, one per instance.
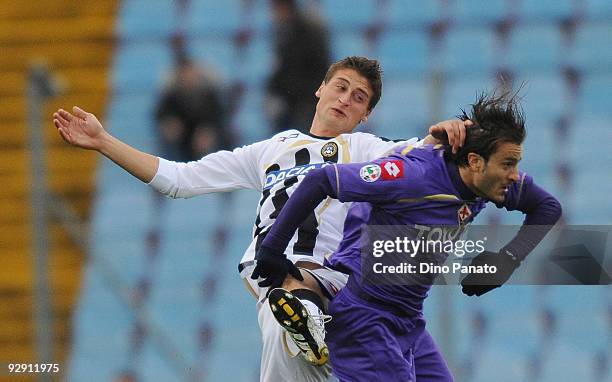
{"points": [[360, 97]]}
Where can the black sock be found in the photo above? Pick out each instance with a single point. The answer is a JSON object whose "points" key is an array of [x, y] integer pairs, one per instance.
{"points": [[307, 294]]}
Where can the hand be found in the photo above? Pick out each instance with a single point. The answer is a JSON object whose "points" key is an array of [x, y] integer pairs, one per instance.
{"points": [[481, 283], [451, 132], [273, 267], [81, 129]]}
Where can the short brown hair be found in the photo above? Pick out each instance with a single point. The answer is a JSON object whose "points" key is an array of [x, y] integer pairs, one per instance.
{"points": [[366, 67]]}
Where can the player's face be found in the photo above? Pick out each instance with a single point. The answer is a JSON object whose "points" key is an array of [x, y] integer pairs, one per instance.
{"points": [[499, 172], [343, 101]]}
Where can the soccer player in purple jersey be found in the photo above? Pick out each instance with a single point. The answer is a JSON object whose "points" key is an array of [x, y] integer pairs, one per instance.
{"points": [[378, 330]]}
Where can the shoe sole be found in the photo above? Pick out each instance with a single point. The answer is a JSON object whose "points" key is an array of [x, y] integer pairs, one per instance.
{"points": [[292, 315]]}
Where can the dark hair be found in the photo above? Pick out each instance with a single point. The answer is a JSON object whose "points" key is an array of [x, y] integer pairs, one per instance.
{"points": [[366, 67], [497, 119]]}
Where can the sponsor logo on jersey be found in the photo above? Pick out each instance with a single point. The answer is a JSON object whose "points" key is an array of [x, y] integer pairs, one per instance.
{"points": [[464, 213], [370, 172], [275, 177], [392, 169], [290, 136], [329, 150]]}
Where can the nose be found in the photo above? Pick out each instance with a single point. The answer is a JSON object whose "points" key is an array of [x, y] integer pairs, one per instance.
{"points": [[344, 99], [514, 175]]}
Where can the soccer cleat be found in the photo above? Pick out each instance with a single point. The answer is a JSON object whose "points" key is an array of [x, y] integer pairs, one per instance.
{"points": [[305, 329]]}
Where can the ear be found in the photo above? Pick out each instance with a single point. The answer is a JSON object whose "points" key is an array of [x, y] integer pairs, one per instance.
{"points": [[318, 92], [366, 116], [476, 163]]}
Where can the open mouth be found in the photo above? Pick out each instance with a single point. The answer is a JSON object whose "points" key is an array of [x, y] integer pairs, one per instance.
{"points": [[338, 111]]}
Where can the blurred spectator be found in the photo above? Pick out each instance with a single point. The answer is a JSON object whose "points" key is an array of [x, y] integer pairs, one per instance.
{"points": [[302, 59], [190, 114]]}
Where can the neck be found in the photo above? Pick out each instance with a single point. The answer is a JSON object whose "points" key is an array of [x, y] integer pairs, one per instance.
{"points": [[468, 179], [321, 129]]}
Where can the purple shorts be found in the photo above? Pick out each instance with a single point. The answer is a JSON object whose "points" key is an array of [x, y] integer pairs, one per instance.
{"points": [[369, 344]]}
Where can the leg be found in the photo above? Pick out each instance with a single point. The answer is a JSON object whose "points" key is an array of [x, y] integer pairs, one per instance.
{"points": [[429, 363], [299, 308], [280, 358], [363, 342]]}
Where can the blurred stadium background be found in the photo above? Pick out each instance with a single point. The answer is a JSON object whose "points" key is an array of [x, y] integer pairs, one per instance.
{"points": [[121, 284]]}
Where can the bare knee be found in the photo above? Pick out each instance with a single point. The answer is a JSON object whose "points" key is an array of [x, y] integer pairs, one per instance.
{"points": [[309, 282]]}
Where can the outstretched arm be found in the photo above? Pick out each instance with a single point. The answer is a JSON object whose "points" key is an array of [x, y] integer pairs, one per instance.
{"points": [[272, 264], [82, 129], [542, 212]]}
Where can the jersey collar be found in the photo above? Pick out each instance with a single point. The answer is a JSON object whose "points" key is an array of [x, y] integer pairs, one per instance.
{"points": [[464, 191]]}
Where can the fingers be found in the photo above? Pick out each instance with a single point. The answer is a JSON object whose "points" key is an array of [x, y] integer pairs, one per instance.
{"points": [[453, 137], [256, 273], [272, 282], [462, 134], [61, 119], [64, 134], [266, 282], [79, 112], [295, 272]]}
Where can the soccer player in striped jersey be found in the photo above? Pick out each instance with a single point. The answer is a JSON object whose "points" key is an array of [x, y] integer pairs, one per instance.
{"points": [[275, 167]]}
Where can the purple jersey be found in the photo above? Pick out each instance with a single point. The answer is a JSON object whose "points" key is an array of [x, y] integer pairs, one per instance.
{"points": [[415, 187]]}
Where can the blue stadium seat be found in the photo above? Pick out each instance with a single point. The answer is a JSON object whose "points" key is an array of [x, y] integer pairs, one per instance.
{"points": [[350, 43], [258, 61], [139, 19], [260, 17], [591, 47], [413, 14], [250, 120], [539, 149], [404, 53], [213, 18], [216, 53], [545, 10], [598, 9], [535, 47], [154, 364], [460, 92], [470, 50], [472, 12], [591, 139], [362, 12], [403, 111], [543, 95], [595, 95], [138, 65]]}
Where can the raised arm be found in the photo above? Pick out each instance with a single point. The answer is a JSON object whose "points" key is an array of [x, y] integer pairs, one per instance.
{"points": [[451, 132], [82, 129]]}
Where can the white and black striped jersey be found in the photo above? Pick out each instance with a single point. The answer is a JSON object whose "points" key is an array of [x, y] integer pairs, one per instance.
{"points": [[275, 167]]}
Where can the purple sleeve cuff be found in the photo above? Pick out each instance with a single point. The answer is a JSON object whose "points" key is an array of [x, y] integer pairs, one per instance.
{"points": [[313, 189]]}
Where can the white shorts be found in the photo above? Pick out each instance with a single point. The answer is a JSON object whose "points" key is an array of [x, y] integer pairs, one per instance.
{"points": [[280, 357]]}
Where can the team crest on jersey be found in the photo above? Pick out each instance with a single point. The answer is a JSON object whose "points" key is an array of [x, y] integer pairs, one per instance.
{"points": [[392, 169], [464, 213], [329, 150], [290, 136], [370, 172]]}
